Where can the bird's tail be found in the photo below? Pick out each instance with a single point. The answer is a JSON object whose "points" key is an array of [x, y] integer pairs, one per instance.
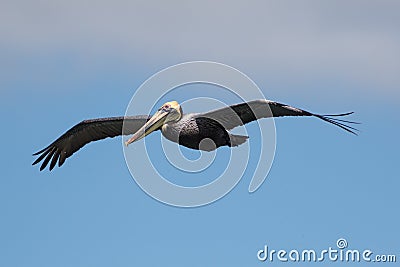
{"points": [[236, 140]]}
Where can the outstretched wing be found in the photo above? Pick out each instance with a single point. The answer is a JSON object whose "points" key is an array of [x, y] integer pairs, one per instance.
{"points": [[84, 133], [240, 114]]}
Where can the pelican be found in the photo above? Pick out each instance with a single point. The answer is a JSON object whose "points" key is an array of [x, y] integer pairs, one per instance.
{"points": [[201, 131]]}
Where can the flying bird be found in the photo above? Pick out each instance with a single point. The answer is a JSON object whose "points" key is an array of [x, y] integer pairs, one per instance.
{"points": [[202, 131]]}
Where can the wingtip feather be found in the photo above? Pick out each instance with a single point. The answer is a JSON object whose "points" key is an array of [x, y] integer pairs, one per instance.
{"points": [[340, 123]]}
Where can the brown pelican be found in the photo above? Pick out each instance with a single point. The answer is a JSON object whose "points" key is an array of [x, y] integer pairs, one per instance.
{"points": [[202, 131]]}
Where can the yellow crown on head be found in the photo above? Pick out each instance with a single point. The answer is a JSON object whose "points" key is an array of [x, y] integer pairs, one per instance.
{"points": [[172, 104]]}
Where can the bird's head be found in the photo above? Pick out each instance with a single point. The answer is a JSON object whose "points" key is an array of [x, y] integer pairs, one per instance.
{"points": [[173, 110], [169, 112]]}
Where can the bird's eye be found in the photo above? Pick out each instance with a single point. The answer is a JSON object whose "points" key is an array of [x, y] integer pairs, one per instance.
{"points": [[167, 106]]}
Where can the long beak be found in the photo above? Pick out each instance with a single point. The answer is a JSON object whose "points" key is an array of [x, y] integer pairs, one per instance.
{"points": [[153, 124]]}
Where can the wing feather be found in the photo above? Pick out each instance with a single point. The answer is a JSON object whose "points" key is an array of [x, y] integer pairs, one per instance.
{"points": [[240, 114], [85, 132]]}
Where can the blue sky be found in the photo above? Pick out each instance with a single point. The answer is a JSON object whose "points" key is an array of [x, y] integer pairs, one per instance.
{"points": [[62, 63]]}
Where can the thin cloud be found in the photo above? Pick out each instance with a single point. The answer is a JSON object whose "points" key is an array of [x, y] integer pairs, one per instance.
{"points": [[353, 40]]}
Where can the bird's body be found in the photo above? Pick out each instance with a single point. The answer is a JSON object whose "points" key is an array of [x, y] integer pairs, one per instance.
{"points": [[202, 131], [197, 132]]}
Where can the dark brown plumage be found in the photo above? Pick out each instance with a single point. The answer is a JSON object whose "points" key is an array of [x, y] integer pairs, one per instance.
{"points": [[84, 133]]}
